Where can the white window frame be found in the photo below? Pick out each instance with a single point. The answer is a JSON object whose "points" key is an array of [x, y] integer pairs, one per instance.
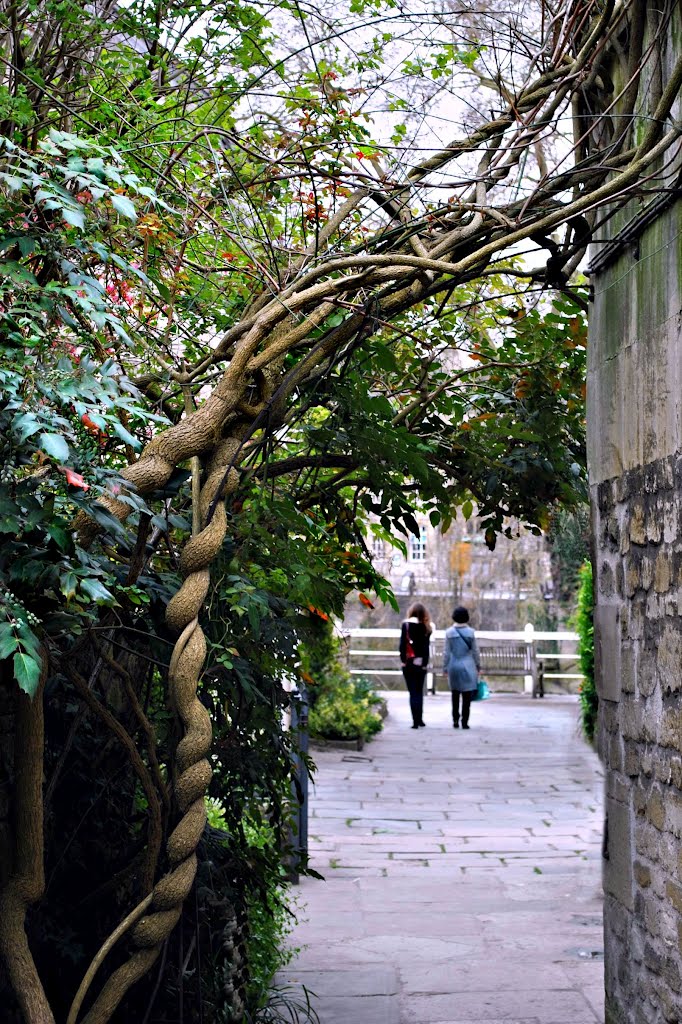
{"points": [[378, 547], [418, 546]]}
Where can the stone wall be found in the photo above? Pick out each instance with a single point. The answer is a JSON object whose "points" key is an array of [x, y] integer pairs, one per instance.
{"points": [[635, 462], [639, 674]]}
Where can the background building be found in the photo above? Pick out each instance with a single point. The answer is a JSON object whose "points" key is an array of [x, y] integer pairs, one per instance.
{"points": [[504, 588]]}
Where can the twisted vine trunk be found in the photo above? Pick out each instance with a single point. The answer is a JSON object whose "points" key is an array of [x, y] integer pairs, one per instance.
{"points": [[193, 770], [25, 882]]}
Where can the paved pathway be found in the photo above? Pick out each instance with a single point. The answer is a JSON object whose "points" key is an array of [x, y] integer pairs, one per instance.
{"points": [[462, 872]]}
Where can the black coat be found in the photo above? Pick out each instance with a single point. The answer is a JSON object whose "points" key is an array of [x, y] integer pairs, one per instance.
{"points": [[419, 636]]}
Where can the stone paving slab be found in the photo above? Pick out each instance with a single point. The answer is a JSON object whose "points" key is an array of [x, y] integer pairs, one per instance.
{"points": [[561, 1006], [360, 981], [462, 872], [365, 1010], [475, 976]]}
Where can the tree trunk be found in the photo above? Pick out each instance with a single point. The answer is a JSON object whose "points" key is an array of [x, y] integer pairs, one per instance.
{"points": [[23, 878]]}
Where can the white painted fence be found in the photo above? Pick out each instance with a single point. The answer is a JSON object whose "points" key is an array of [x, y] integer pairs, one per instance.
{"points": [[387, 649]]}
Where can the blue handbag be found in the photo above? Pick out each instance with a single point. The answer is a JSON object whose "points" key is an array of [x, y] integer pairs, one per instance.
{"points": [[482, 690]]}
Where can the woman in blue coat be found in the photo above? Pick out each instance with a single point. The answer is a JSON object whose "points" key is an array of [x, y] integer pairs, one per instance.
{"points": [[462, 663]]}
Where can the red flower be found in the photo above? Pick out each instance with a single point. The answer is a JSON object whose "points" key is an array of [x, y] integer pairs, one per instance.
{"points": [[92, 427], [316, 611], [74, 479]]}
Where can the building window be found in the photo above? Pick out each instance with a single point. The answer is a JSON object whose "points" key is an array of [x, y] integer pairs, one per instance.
{"points": [[378, 547], [520, 568], [418, 546]]}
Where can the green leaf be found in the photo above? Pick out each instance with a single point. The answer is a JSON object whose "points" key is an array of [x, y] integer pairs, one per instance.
{"points": [[26, 245], [98, 593], [8, 640], [8, 645], [26, 672], [124, 434], [17, 273], [59, 536], [26, 425], [28, 640], [67, 584], [73, 216], [66, 317], [123, 206], [13, 182], [55, 445]]}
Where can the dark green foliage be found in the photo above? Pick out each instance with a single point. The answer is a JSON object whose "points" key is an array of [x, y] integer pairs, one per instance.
{"points": [[220, 961], [342, 706], [507, 432], [68, 413], [96, 813], [584, 625], [345, 708], [540, 616]]}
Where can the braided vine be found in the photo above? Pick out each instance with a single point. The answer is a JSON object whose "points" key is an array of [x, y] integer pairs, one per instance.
{"points": [[192, 767]]}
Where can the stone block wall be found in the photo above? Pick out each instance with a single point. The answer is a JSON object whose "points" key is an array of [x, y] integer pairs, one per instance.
{"points": [[635, 464], [639, 652]]}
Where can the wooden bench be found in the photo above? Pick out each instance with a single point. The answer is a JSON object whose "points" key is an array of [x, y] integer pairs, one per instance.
{"points": [[373, 652], [503, 658]]}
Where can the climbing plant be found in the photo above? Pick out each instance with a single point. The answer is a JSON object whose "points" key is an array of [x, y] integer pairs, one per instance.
{"points": [[584, 625]]}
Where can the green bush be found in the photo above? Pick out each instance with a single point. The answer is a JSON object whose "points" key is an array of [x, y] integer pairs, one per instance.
{"points": [[342, 706], [584, 626], [271, 920], [270, 914], [345, 708]]}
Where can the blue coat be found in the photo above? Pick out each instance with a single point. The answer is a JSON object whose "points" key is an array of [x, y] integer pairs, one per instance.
{"points": [[461, 659]]}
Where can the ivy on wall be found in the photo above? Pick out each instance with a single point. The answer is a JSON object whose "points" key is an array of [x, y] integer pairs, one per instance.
{"points": [[584, 625]]}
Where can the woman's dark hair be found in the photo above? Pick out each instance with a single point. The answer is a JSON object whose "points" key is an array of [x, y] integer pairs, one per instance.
{"points": [[460, 615], [419, 612]]}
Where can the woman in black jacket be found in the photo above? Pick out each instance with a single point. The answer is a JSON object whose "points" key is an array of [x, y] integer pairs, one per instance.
{"points": [[414, 656]]}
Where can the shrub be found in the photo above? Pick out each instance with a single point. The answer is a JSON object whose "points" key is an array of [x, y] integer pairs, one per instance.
{"points": [[583, 623], [345, 708], [342, 706], [271, 920], [268, 916]]}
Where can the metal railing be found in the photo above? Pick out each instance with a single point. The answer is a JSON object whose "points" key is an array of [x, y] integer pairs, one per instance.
{"points": [[539, 662], [298, 825]]}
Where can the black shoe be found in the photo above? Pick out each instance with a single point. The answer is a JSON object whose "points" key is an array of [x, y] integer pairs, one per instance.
{"points": [[465, 726], [455, 725], [421, 725], [414, 727]]}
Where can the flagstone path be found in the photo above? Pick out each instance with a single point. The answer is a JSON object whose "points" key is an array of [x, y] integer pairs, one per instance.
{"points": [[462, 871]]}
